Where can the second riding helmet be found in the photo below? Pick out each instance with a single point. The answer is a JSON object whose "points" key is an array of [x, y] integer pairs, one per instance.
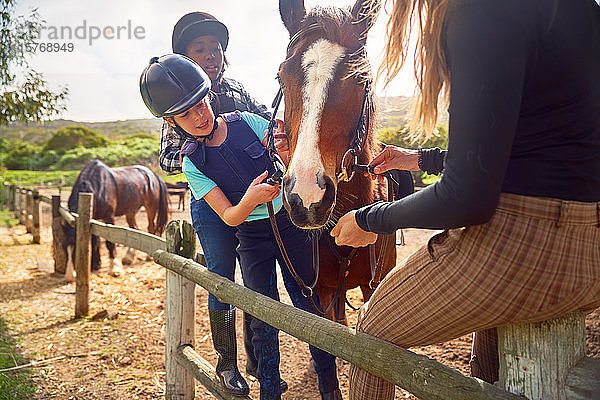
{"points": [[195, 24], [172, 84]]}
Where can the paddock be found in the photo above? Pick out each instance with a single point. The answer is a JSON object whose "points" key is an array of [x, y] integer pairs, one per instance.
{"points": [[453, 354]]}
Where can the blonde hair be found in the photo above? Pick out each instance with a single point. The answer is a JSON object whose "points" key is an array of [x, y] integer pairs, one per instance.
{"points": [[431, 70]]}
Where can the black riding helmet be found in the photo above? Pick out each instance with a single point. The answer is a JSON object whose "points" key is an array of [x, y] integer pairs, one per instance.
{"points": [[196, 24], [172, 84]]}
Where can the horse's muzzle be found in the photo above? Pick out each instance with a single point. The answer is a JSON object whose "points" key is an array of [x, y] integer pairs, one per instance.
{"points": [[316, 214]]}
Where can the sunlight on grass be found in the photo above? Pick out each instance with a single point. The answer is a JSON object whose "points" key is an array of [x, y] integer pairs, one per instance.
{"points": [[14, 385], [7, 218]]}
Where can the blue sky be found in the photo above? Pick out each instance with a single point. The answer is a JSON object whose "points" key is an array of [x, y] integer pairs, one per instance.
{"points": [[103, 76]]}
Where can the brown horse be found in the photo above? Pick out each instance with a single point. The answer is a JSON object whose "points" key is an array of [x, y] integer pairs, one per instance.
{"points": [[326, 82], [178, 189], [118, 191]]}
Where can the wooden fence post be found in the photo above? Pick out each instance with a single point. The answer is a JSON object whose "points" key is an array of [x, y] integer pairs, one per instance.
{"points": [[35, 227], [535, 359], [179, 313], [58, 252], [11, 198], [4, 194], [23, 207], [17, 209], [82, 255], [28, 211]]}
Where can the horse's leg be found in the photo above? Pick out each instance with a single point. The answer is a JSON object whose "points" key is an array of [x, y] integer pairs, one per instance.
{"points": [[95, 253], [130, 254], [115, 268], [70, 267]]}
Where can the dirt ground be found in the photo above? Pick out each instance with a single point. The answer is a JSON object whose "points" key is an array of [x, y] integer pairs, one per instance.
{"points": [[118, 351]]}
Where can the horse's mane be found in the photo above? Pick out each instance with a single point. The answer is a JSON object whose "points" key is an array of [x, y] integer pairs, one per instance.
{"points": [[93, 178]]}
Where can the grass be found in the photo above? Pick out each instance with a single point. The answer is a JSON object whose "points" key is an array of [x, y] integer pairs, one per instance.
{"points": [[7, 218], [33, 178], [14, 385]]}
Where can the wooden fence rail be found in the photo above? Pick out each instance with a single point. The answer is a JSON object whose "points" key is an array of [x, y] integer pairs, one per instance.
{"points": [[418, 374]]}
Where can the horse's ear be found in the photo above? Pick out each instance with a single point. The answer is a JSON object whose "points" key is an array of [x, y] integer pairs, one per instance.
{"points": [[292, 12], [365, 13]]}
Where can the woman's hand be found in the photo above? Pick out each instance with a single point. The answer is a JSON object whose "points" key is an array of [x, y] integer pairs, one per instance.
{"points": [[393, 157], [259, 193], [347, 232]]}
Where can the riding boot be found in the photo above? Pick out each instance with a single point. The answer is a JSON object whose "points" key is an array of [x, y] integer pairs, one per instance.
{"points": [[251, 361], [335, 395], [222, 326]]}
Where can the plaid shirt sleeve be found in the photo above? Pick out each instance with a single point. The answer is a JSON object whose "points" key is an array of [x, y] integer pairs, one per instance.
{"points": [[170, 147], [242, 100]]}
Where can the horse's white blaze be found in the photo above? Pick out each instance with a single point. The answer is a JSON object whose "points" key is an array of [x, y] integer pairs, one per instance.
{"points": [[319, 63]]}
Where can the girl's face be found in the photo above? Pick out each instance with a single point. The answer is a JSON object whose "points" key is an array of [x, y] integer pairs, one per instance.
{"points": [[198, 120], [207, 53]]}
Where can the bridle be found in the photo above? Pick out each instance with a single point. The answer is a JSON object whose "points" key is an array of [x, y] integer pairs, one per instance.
{"points": [[348, 166]]}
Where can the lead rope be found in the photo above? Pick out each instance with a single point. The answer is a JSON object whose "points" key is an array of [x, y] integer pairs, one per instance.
{"points": [[275, 178]]}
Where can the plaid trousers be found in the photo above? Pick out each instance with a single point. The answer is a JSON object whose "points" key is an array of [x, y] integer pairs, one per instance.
{"points": [[536, 259]]}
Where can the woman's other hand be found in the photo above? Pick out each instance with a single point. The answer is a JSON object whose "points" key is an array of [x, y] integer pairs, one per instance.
{"points": [[347, 232]]}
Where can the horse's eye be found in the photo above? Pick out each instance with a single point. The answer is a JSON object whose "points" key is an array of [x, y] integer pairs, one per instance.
{"points": [[281, 84]]}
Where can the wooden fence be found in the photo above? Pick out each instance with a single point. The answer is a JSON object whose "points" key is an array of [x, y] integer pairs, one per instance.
{"points": [[541, 361]]}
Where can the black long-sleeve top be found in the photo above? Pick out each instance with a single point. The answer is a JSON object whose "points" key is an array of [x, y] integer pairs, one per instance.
{"points": [[524, 112]]}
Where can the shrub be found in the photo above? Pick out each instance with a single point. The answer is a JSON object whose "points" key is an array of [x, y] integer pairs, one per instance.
{"points": [[70, 137]]}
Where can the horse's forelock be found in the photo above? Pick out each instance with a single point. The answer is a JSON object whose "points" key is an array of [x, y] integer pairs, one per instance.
{"points": [[337, 26]]}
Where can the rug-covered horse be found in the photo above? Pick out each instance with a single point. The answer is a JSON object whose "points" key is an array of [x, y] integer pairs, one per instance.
{"points": [[329, 117], [118, 191]]}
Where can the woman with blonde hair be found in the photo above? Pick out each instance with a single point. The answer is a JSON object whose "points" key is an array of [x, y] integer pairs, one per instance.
{"points": [[519, 196]]}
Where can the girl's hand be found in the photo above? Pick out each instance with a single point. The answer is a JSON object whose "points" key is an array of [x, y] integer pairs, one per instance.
{"points": [[281, 141], [347, 232], [259, 193]]}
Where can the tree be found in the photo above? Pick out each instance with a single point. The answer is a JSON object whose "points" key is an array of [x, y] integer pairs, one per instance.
{"points": [[20, 156], [31, 99], [70, 137]]}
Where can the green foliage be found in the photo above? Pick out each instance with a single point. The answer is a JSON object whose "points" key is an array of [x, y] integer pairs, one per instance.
{"points": [[140, 136], [39, 133], [30, 100], [14, 385], [7, 218], [5, 147], [173, 178], [70, 137], [401, 137], [123, 152], [21, 156]]}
